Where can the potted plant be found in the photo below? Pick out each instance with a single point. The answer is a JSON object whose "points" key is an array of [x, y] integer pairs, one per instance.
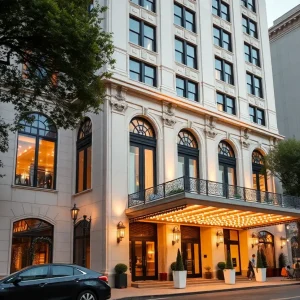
{"points": [[179, 275], [229, 271], [120, 276], [261, 270], [208, 273], [281, 263], [220, 273], [173, 268]]}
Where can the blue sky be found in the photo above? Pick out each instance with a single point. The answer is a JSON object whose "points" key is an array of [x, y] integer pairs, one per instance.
{"points": [[276, 8]]}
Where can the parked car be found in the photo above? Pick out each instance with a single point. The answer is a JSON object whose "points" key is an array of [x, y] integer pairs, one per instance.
{"points": [[55, 282]]}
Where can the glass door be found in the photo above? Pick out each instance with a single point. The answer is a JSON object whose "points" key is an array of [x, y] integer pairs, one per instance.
{"points": [[232, 244], [191, 258], [188, 167], [143, 260], [227, 177]]}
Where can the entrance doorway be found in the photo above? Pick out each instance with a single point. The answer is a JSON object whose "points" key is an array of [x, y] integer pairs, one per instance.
{"points": [[232, 244], [190, 245], [143, 251]]}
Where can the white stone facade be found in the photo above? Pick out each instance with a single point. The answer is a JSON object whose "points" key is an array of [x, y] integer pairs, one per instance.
{"points": [[107, 200]]}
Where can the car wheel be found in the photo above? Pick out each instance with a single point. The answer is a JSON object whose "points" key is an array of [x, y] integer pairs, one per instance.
{"points": [[87, 295]]}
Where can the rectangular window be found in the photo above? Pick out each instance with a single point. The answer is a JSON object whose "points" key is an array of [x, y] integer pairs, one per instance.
{"points": [[186, 88], [148, 4], [224, 71], [249, 26], [250, 4], [184, 17], [252, 54], [226, 103], [254, 85], [142, 72], [141, 34], [222, 38], [257, 115], [221, 9], [185, 53]]}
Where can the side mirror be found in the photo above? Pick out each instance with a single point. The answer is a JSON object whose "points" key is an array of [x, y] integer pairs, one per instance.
{"points": [[16, 280]]}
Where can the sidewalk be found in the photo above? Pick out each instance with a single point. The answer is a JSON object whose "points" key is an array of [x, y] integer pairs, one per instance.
{"points": [[138, 293]]}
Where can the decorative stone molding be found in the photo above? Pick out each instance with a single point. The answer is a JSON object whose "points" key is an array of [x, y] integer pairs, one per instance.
{"points": [[145, 111], [169, 114], [118, 101], [210, 127], [245, 138]]}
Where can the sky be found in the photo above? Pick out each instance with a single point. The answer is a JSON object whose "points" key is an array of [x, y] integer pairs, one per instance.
{"points": [[276, 8]]}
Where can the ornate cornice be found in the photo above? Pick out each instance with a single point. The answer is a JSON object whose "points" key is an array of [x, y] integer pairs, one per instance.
{"points": [[169, 114]]}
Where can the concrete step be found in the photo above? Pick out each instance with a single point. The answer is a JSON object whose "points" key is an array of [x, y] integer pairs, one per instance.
{"points": [[189, 282]]}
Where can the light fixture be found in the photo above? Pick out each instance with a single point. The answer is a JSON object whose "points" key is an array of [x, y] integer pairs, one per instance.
{"points": [[220, 237], [287, 226], [120, 231], [74, 213], [283, 241], [254, 239], [176, 235]]}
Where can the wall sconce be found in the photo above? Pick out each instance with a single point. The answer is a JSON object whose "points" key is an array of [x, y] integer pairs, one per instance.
{"points": [[254, 239], [74, 213], [220, 237], [176, 235], [287, 226], [283, 241], [120, 231]]}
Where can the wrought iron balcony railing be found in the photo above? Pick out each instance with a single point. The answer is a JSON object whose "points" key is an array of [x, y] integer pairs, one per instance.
{"points": [[210, 188]]}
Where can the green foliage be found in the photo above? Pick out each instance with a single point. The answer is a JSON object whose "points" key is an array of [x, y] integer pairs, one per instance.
{"points": [[120, 268], [207, 268], [263, 258], [228, 264], [173, 266], [221, 265], [282, 260], [179, 262], [259, 260], [67, 56], [284, 163]]}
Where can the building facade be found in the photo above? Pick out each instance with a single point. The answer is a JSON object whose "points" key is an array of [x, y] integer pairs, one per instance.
{"points": [[284, 37], [172, 161]]}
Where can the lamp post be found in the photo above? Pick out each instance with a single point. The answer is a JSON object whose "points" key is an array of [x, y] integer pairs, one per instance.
{"points": [[85, 225]]}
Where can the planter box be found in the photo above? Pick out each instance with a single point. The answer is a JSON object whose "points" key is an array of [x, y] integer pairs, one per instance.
{"points": [[260, 274], [179, 278], [208, 275], [120, 281], [229, 276], [163, 276]]}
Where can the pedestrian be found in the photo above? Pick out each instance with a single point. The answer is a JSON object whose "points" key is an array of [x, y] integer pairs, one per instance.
{"points": [[251, 267]]}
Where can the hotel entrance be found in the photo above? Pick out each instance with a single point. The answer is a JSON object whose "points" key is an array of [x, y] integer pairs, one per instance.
{"points": [[143, 251], [190, 246]]}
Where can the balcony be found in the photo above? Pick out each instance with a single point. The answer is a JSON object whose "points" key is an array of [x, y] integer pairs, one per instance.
{"points": [[243, 207]]}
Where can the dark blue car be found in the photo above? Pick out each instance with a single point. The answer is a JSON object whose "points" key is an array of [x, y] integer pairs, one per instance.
{"points": [[55, 282]]}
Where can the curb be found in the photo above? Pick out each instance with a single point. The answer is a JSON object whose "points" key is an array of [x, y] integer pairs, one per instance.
{"points": [[204, 292]]}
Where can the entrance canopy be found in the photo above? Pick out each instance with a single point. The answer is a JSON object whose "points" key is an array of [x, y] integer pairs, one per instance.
{"points": [[204, 210]]}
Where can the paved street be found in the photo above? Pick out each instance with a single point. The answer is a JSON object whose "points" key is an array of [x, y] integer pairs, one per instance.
{"points": [[273, 293]]}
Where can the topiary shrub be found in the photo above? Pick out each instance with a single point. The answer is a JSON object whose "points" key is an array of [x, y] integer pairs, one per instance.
{"points": [[263, 258], [259, 260], [173, 266], [221, 265], [229, 264], [121, 268], [179, 262], [281, 261]]}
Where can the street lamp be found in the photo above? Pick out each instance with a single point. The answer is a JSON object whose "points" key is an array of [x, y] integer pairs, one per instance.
{"points": [[85, 224]]}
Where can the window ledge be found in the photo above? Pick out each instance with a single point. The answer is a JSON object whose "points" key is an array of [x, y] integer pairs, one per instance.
{"points": [[83, 192], [254, 97], [23, 187]]}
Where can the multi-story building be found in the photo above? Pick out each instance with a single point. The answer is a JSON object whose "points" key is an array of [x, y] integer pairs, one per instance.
{"points": [[284, 42], [172, 161]]}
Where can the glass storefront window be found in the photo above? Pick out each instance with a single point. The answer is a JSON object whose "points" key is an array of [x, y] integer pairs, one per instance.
{"points": [[149, 168], [180, 167], [134, 170]]}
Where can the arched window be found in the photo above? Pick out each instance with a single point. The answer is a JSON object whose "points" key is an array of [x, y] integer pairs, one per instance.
{"points": [[259, 179], [36, 154], [32, 243], [81, 255], [84, 156], [227, 164], [266, 243], [142, 167], [188, 155]]}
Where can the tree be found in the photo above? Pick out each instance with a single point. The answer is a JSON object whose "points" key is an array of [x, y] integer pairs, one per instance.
{"points": [[284, 162], [179, 262], [53, 59]]}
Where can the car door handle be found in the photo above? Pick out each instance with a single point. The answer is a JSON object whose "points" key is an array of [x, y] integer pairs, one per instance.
{"points": [[76, 280], [43, 284]]}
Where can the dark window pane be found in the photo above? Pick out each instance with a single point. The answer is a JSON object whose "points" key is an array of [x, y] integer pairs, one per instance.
{"points": [[220, 102], [178, 21], [245, 25], [134, 66], [134, 38], [149, 32], [180, 87], [190, 51], [134, 25], [149, 71], [179, 45], [35, 273], [225, 12], [149, 81], [148, 4], [247, 53], [190, 21], [61, 271]]}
